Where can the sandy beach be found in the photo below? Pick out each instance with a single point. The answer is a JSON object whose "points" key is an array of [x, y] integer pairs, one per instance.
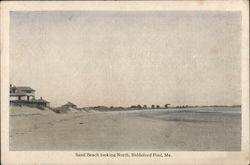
{"points": [[153, 130]]}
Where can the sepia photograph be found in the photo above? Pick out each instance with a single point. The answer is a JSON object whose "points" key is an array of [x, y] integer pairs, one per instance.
{"points": [[153, 81], [125, 80]]}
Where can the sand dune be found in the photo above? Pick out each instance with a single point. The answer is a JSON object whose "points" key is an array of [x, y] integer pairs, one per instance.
{"points": [[16, 110]]}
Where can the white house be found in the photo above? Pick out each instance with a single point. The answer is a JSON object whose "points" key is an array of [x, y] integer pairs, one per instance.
{"points": [[21, 93]]}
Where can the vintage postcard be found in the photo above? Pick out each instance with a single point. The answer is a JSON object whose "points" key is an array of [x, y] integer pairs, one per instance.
{"points": [[125, 82]]}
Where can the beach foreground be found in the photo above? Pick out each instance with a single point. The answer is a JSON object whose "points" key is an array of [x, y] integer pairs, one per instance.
{"points": [[151, 130]]}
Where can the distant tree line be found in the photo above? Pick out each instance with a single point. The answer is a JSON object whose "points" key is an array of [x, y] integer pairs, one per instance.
{"points": [[146, 107]]}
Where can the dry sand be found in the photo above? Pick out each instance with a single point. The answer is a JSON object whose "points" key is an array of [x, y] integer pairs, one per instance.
{"points": [[166, 130]]}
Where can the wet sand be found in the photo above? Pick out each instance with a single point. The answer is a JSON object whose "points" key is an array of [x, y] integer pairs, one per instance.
{"points": [[152, 130]]}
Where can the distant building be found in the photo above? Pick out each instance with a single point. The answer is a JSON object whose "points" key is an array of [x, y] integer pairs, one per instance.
{"points": [[152, 106], [41, 102], [166, 105], [21, 93], [69, 105]]}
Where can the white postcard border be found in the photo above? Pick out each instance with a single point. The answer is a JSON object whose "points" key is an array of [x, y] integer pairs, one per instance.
{"points": [[68, 157]]}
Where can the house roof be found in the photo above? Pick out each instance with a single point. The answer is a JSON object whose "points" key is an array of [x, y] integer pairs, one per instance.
{"points": [[24, 88], [21, 90], [69, 104]]}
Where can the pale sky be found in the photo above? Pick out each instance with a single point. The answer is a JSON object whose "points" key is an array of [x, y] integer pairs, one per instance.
{"points": [[128, 58]]}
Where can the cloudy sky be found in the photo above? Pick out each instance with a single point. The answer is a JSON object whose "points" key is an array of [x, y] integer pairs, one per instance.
{"points": [[125, 58]]}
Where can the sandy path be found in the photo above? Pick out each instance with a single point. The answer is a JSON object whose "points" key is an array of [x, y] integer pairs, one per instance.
{"points": [[134, 130]]}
